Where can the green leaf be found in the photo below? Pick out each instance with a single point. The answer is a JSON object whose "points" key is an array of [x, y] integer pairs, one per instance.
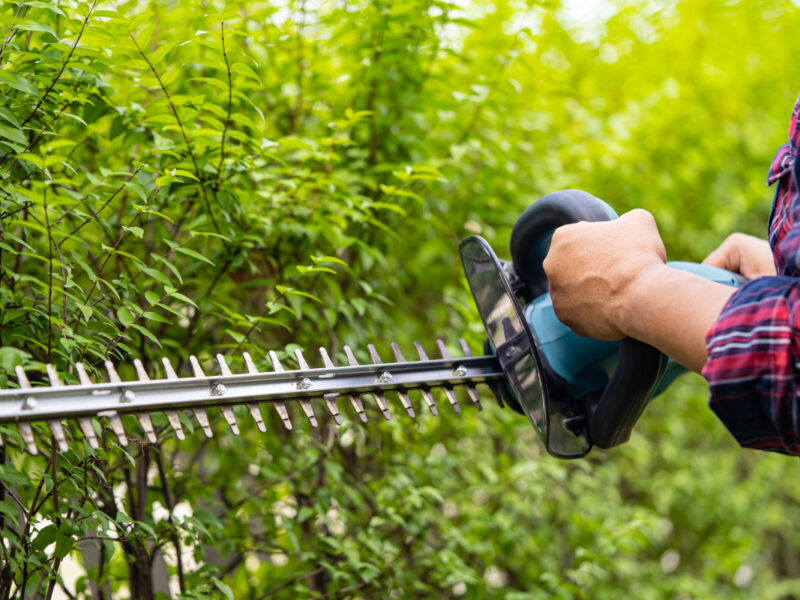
{"points": [[125, 317], [226, 590], [18, 83], [64, 544], [13, 134], [193, 254]]}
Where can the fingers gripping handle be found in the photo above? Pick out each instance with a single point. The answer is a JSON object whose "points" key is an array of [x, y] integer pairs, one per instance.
{"points": [[610, 418]]}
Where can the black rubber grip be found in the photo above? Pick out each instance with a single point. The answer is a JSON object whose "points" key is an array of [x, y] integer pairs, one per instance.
{"points": [[612, 418], [530, 237]]}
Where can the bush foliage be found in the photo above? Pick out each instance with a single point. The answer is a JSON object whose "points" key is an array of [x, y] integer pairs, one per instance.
{"points": [[185, 178]]}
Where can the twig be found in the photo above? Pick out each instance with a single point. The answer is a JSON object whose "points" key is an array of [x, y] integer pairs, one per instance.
{"points": [[63, 66], [183, 132], [230, 92]]}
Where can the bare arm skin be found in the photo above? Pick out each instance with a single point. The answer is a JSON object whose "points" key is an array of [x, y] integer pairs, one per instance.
{"points": [[609, 280]]}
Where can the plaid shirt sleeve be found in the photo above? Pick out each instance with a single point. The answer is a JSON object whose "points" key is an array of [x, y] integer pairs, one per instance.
{"points": [[753, 365]]}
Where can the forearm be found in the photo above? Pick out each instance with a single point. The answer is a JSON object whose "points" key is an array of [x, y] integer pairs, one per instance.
{"points": [[673, 310]]}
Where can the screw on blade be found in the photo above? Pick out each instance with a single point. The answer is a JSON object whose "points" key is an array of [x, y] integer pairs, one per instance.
{"points": [[280, 407], [85, 423], [354, 400], [25, 429], [113, 416], [471, 391], [200, 413], [252, 407], [448, 391], [144, 418], [172, 415], [426, 394], [303, 384], [351, 360], [373, 353]]}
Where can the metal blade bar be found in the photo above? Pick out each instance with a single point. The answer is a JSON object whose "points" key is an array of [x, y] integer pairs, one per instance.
{"points": [[196, 393]]}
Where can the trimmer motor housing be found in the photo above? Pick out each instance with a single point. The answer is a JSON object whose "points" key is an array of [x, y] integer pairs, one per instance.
{"points": [[576, 391]]}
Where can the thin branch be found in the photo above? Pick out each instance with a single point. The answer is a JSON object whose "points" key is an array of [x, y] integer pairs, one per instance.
{"points": [[11, 29], [63, 66], [174, 110], [230, 93]]}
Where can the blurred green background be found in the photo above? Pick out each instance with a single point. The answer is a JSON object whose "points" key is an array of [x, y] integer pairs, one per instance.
{"points": [[181, 177]]}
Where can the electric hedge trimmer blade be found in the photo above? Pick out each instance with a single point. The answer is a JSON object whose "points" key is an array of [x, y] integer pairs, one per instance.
{"points": [[109, 401]]}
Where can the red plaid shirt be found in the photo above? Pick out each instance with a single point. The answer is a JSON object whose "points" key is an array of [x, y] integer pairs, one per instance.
{"points": [[753, 363]]}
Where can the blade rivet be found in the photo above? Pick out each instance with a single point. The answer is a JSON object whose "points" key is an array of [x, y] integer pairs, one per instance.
{"points": [[385, 377], [304, 383], [127, 397], [29, 403], [460, 371], [218, 389]]}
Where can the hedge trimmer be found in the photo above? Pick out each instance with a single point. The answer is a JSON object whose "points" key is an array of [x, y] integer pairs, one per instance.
{"points": [[577, 392]]}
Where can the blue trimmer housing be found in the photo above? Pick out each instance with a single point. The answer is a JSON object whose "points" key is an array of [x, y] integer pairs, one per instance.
{"points": [[576, 391]]}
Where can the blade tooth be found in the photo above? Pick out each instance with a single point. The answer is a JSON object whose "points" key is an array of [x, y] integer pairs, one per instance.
{"points": [[197, 370], [140, 372], [144, 418], [168, 368], [306, 405], [373, 354], [113, 376], [451, 397], [404, 399], [116, 425], [406, 402], [88, 431], [52, 375], [22, 377], [26, 431], [200, 413], [426, 394], [83, 376], [202, 419], [172, 416], [248, 361], [473, 395], [223, 366], [397, 353], [448, 392], [255, 412], [326, 360], [280, 407], [354, 400], [58, 433], [471, 391], [351, 358], [276, 364], [443, 349], [382, 405], [147, 426], [301, 361], [227, 412], [428, 397], [330, 400], [175, 423]]}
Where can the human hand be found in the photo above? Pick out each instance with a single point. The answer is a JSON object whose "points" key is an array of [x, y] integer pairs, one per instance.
{"points": [[593, 267], [743, 254]]}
